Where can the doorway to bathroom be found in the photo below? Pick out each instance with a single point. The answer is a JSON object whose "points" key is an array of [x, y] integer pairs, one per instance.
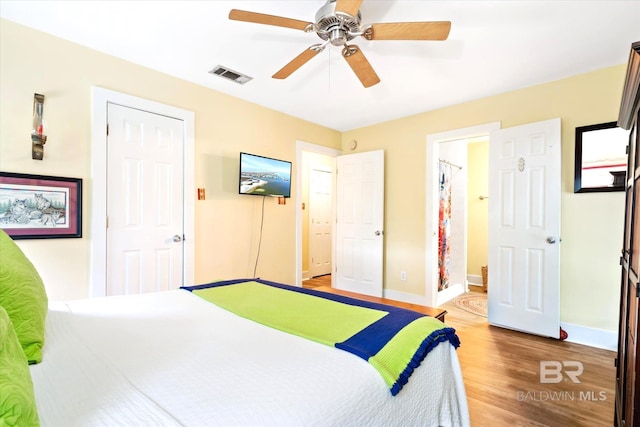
{"points": [[457, 211]]}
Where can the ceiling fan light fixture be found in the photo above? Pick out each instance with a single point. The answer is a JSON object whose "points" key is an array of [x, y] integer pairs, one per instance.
{"points": [[338, 37]]}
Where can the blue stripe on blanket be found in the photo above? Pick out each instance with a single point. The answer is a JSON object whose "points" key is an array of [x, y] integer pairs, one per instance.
{"points": [[365, 343]]}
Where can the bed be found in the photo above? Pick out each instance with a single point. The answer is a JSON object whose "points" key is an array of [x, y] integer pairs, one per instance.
{"points": [[176, 358]]}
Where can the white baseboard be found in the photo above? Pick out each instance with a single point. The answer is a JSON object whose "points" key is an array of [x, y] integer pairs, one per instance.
{"points": [[306, 275], [405, 297], [592, 337], [578, 334], [474, 280], [450, 293], [443, 296]]}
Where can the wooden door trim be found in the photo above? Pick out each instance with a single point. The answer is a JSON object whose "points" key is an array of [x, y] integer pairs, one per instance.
{"points": [[631, 92]]}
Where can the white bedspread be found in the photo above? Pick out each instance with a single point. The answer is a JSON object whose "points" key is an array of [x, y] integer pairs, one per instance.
{"points": [[172, 358]]}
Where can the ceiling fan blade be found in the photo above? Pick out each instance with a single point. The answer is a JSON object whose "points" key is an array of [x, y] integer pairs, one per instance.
{"points": [[297, 62], [350, 7], [438, 30], [359, 64], [261, 18]]}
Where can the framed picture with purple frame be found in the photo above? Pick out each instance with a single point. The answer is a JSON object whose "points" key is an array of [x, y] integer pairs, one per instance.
{"points": [[40, 206]]}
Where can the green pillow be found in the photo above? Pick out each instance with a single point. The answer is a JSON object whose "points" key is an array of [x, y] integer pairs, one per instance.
{"points": [[23, 296], [17, 401]]}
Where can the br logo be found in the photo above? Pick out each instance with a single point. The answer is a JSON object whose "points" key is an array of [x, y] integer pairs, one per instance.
{"points": [[553, 371]]}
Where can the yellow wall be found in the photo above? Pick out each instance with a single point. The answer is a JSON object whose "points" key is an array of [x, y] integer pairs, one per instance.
{"points": [[226, 223], [591, 223], [477, 210], [31, 61]]}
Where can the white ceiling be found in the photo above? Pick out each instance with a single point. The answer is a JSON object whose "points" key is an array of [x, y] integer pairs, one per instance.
{"points": [[493, 47]]}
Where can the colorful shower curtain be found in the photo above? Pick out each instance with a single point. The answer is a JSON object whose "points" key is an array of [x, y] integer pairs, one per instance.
{"points": [[444, 226]]}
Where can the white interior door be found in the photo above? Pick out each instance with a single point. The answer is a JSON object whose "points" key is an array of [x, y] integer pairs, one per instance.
{"points": [[359, 222], [524, 228], [144, 201], [320, 235]]}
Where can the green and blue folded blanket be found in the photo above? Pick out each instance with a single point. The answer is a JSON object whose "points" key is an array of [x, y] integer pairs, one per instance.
{"points": [[393, 340]]}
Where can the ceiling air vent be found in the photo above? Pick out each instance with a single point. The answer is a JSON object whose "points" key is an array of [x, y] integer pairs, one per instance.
{"points": [[229, 74]]}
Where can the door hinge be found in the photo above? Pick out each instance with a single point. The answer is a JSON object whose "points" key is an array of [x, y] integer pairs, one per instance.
{"points": [[107, 222], [107, 129], [637, 289]]}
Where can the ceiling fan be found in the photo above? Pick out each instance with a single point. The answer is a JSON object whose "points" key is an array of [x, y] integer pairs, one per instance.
{"points": [[338, 22]]}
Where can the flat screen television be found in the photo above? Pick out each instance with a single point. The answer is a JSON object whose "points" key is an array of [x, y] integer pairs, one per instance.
{"points": [[264, 176]]}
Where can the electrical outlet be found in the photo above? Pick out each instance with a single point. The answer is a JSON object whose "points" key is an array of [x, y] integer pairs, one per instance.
{"points": [[403, 275]]}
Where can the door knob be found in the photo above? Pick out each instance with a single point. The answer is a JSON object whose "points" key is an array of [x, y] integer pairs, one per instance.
{"points": [[177, 238], [377, 233], [551, 240]]}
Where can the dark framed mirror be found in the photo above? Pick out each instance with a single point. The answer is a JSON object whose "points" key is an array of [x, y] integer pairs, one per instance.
{"points": [[601, 158]]}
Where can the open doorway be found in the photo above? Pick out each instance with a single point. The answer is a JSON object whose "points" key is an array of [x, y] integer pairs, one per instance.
{"points": [[477, 213], [357, 248], [448, 164], [463, 220], [315, 213], [452, 209]]}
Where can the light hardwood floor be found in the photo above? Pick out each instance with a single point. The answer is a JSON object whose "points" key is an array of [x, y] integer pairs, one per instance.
{"points": [[501, 371], [315, 282]]}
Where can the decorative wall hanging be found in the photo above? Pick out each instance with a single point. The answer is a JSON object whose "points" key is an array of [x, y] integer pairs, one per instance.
{"points": [[38, 138], [40, 207]]}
